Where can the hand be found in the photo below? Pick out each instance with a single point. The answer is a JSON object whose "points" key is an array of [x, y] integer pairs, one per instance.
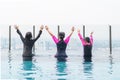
{"points": [[72, 29], [16, 27], [91, 33], [78, 30], [41, 27], [46, 27]]}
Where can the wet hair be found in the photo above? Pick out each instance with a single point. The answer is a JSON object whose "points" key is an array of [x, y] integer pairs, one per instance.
{"points": [[28, 35], [87, 39], [61, 35]]}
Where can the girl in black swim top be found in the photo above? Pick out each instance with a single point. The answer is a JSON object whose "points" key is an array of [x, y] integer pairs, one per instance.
{"points": [[87, 44], [61, 44], [28, 42]]}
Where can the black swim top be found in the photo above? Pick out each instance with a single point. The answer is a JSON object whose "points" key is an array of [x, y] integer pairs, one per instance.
{"points": [[87, 50], [61, 49]]}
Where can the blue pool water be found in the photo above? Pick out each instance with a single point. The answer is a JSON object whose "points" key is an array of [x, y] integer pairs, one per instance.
{"points": [[45, 67]]}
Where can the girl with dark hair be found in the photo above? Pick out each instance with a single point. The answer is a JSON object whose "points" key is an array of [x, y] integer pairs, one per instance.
{"points": [[87, 44], [28, 42], [61, 44]]}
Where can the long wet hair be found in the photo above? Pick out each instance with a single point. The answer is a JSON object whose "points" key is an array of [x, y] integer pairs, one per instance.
{"points": [[28, 35], [61, 35], [87, 39]]}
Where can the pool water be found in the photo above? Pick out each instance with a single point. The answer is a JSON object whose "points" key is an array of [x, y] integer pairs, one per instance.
{"points": [[45, 67]]}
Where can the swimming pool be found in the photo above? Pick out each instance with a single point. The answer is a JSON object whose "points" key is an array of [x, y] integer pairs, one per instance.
{"points": [[45, 67]]}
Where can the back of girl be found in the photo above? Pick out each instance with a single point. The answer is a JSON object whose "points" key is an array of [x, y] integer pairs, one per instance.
{"points": [[61, 44], [61, 47], [87, 46], [28, 42]]}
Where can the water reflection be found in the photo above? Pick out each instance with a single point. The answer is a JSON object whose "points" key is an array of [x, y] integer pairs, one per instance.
{"points": [[111, 65], [87, 69], [28, 70], [61, 68], [9, 62]]}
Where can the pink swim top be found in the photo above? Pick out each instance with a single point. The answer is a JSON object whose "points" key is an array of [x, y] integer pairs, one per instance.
{"points": [[56, 40], [84, 42]]}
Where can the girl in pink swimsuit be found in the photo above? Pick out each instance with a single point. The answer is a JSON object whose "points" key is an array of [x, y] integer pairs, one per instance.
{"points": [[61, 44], [87, 45]]}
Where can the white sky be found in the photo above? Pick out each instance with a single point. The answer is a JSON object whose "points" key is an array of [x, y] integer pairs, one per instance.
{"points": [[59, 11]]}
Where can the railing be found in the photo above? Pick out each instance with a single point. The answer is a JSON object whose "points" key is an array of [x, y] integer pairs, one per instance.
{"points": [[110, 36]]}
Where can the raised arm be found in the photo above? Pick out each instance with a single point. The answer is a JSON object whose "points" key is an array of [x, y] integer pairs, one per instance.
{"points": [[40, 32], [53, 37], [80, 36], [18, 31], [68, 38], [49, 31], [72, 30], [91, 37]]}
